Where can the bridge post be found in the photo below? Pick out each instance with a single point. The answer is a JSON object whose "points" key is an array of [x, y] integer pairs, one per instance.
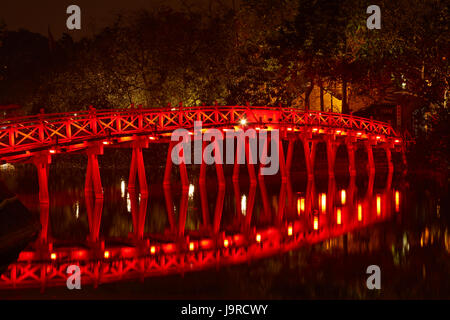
{"points": [[169, 206], [371, 161], [282, 161], [202, 178], [41, 162], [351, 158], [250, 168], [219, 166], [390, 164], [93, 178], [289, 155], [43, 213], [183, 212], [219, 208], [94, 207], [331, 155], [204, 204], [168, 169], [309, 157], [138, 211], [137, 168]]}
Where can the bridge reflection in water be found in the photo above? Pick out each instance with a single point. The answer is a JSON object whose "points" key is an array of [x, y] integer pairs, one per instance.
{"points": [[244, 221]]}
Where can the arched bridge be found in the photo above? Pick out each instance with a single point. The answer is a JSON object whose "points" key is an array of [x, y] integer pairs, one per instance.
{"points": [[36, 138]]}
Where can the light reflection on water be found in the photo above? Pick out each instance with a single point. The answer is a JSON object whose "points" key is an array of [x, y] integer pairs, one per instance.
{"points": [[411, 215]]}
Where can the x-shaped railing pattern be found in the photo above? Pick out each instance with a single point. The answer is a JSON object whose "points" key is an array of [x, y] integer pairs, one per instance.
{"points": [[46, 130]]}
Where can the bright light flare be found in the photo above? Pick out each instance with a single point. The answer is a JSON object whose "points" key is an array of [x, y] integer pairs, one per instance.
{"points": [[191, 246], [226, 243], [290, 231], [191, 191], [53, 256], [343, 196], [258, 238], [300, 205], [316, 223], [106, 254], [359, 212], [244, 205], [338, 216], [323, 202], [122, 188], [397, 201], [243, 122], [378, 204], [152, 249]]}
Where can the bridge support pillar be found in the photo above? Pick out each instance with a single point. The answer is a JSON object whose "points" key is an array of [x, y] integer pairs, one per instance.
{"points": [[282, 161], [44, 212], [289, 155], [93, 179], [94, 208], [218, 160], [331, 155], [309, 157], [138, 211], [371, 162], [351, 158], [390, 164], [41, 162], [137, 168], [218, 209], [250, 168], [168, 169]]}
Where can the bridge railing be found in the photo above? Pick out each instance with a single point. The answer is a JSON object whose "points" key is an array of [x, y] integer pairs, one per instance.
{"points": [[42, 130]]}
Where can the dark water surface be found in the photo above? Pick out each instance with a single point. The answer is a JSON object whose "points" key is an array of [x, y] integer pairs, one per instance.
{"points": [[407, 237]]}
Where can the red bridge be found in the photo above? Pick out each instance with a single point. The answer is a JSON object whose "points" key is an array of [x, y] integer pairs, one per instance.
{"points": [[37, 138]]}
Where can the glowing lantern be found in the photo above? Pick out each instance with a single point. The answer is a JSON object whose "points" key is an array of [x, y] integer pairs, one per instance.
{"points": [[359, 212], [106, 254], [53, 256], [258, 237], [226, 243], [289, 231], [339, 216], [191, 246], [152, 250]]}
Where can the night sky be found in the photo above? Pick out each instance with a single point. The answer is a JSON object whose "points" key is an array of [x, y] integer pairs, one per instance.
{"points": [[37, 16]]}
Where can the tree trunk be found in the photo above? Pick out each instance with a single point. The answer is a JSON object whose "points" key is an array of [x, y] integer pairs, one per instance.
{"points": [[307, 95], [322, 107], [344, 97]]}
